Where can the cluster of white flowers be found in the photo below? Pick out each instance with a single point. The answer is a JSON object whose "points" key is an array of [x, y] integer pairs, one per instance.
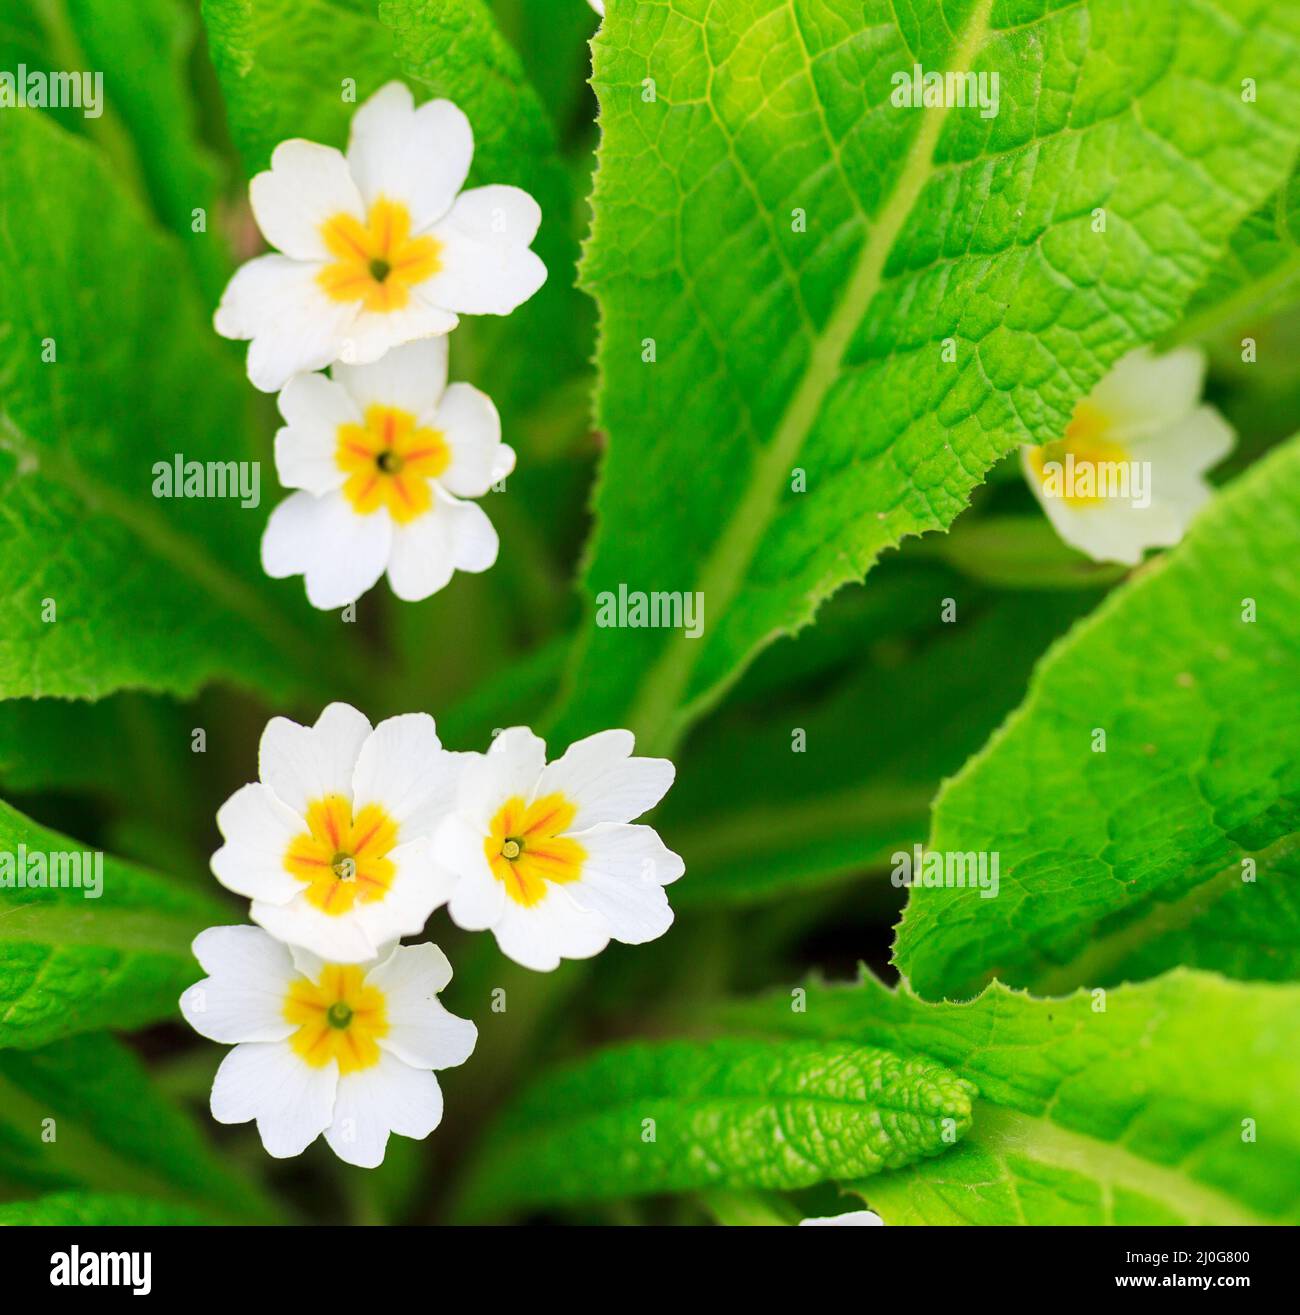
{"points": [[350, 840], [378, 252], [354, 835]]}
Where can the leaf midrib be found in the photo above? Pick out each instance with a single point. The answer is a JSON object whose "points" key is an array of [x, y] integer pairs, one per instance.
{"points": [[656, 711], [1001, 1131]]}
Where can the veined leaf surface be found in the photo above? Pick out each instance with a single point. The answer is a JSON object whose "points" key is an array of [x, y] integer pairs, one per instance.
{"points": [[781, 257], [1168, 1102], [1177, 839]]}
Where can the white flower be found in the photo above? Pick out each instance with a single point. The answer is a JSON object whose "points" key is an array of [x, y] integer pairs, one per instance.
{"points": [[598, 6], [342, 1049], [383, 454], [543, 856], [1128, 473], [379, 247], [854, 1218], [333, 844]]}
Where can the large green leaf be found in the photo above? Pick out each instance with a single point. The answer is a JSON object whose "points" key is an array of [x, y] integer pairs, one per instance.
{"points": [[728, 128], [145, 122], [731, 1113], [69, 963], [1168, 1102], [97, 1208], [283, 66], [1120, 863], [108, 586], [81, 1113]]}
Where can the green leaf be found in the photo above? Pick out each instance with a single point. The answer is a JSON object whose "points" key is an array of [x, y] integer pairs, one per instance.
{"points": [[80, 1209], [1259, 272], [146, 123], [114, 588], [283, 66], [730, 1113], [81, 1113], [778, 350], [1168, 1102], [69, 963], [758, 817], [1121, 863]]}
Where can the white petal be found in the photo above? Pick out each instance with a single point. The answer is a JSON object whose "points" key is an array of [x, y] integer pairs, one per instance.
{"points": [[487, 268], [1195, 444], [512, 766], [419, 157], [315, 408], [294, 325], [503, 462], [421, 1032], [606, 783], [257, 827], [372, 333], [416, 890], [623, 878], [306, 185], [336, 938], [303, 764], [339, 553], [853, 1218], [292, 1101], [471, 428], [423, 555], [1144, 393], [475, 544], [403, 767], [477, 897], [411, 377], [242, 998], [386, 1097], [540, 935]]}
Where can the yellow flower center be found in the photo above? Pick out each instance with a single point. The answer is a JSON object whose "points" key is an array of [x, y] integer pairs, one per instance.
{"points": [[377, 263], [389, 463], [1086, 440], [525, 847], [340, 1017], [341, 858]]}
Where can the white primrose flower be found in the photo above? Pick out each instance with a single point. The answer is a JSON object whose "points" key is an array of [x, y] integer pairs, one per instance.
{"points": [[543, 856], [853, 1219], [377, 247], [332, 845], [1128, 474], [341, 1049], [383, 455]]}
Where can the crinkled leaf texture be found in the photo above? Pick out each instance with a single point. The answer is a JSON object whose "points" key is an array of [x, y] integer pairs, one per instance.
{"points": [[110, 587], [780, 254], [1121, 863], [112, 1131], [71, 964], [1168, 1102], [729, 1113]]}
